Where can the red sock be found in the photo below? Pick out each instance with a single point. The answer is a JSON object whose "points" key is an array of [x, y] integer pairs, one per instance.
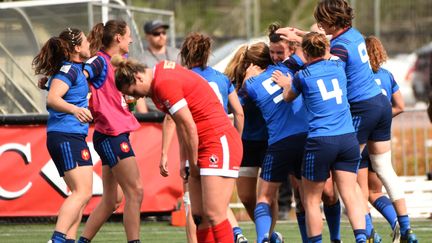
{"points": [[205, 235], [223, 232]]}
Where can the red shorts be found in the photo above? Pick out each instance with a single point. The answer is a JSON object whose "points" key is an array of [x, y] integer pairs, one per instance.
{"points": [[220, 155]]}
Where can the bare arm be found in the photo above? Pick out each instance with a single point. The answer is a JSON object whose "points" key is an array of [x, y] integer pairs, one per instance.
{"points": [[55, 100], [291, 34], [168, 128], [285, 82], [237, 111], [398, 104], [187, 131], [141, 106]]}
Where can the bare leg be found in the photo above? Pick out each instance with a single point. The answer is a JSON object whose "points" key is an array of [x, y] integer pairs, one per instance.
{"points": [[79, 181], [127, 174], [107, 205]]}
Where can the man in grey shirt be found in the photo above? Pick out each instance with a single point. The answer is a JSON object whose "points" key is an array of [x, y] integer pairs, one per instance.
{"points": [[155, 51]]}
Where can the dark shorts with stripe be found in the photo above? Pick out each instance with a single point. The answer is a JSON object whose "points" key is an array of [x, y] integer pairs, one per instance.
{"points": [[68, 150], [365, 160], [283, 158], [112, 149], [372, 119], [323, 154], [253, 153]]}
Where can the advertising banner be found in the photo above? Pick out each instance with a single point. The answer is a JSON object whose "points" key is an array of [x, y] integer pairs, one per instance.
{"points": [[31, 186]]}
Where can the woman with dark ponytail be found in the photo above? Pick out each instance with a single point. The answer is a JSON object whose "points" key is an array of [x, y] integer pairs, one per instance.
{"points": [[331, 145], [113, 123], [62, 59]]}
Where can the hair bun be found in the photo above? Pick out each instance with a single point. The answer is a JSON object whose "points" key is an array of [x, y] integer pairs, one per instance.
{"points": [[117, 60]]}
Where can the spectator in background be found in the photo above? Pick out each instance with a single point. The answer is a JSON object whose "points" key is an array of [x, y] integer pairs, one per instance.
{"points": [[155, 51]]}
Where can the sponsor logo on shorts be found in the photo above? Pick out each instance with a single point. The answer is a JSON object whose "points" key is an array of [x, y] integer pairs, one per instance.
{"points": [[213, 159], [124, 147], [85, 154]]}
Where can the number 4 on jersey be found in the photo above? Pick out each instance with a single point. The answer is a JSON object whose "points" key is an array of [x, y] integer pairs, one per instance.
{"points": [[326, 95]]}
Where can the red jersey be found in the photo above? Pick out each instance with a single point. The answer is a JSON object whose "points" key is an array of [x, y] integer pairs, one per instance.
{"points": [[175, 87], [107, 104]]}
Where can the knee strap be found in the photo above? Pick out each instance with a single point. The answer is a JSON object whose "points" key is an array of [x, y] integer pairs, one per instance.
{"points": [[382, 165], [197, 219]]}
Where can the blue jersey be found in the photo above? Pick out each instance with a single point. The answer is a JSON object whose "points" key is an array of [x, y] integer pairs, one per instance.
{"points": [[294, 63], [386, 81], [219, 82], [350, 47], [282, 119], [72, 75], [323, 85], [254, 128]]}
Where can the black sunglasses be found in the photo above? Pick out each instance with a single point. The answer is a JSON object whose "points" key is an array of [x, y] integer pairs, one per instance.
{"points": [[158, 33]]}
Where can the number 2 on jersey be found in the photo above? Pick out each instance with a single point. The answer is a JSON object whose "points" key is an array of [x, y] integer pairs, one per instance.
{"points": [[326, 95]]}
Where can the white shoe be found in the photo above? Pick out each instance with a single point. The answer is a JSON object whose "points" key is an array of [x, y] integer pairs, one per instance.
{"points": [[396, 234], [241, 239]]}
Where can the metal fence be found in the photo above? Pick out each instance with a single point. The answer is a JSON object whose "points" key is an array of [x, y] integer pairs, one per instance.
{"points": [[412, 142]]}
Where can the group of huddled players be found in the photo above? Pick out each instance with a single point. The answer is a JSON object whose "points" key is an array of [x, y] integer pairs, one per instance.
{"points": [[305, 105]]}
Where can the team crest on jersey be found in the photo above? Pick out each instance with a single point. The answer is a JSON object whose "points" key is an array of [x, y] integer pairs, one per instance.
{"points": [[213, 159], [125, 147], [65, 68], [167, 104], [85, 154]]}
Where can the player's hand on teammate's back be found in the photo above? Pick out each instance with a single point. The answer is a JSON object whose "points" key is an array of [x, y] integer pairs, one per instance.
{"points": [[251, 71], [282, 80]]}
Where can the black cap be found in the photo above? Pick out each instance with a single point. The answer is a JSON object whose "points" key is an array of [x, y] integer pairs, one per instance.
{"points": [[151, 26]]}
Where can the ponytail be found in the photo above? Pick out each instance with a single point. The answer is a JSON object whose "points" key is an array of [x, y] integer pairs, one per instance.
{"points": [[315, 44], [126, 70], [95, 38], [55, 51]]}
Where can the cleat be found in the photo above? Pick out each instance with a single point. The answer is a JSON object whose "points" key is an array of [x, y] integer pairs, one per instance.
{"points": [[396, 234], [374, 237], [241, 239], [279, 238], [410, 237], [336, 241]]}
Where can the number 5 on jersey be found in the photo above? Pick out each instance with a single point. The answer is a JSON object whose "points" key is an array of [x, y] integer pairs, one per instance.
{"points": [[326, 95]]}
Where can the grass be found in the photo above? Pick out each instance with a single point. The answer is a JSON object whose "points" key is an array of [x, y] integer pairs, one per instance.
{"points": [[162, 232]]}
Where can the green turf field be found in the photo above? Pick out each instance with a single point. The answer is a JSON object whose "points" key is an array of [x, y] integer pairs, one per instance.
{"points": [[162, 232]]}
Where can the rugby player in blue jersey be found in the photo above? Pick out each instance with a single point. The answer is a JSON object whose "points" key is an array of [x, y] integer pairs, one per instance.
{"points": [[370, 109], [390, 89], [331, 145], [62, 59], [194, 53], [332, 207], [286, 126]]}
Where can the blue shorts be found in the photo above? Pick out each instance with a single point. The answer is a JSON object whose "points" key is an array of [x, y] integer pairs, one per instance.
{"points": [[372, 119], [253, 153], [365, 160], [284, 157], [68, 150], [112, 149], [323, 154]]}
